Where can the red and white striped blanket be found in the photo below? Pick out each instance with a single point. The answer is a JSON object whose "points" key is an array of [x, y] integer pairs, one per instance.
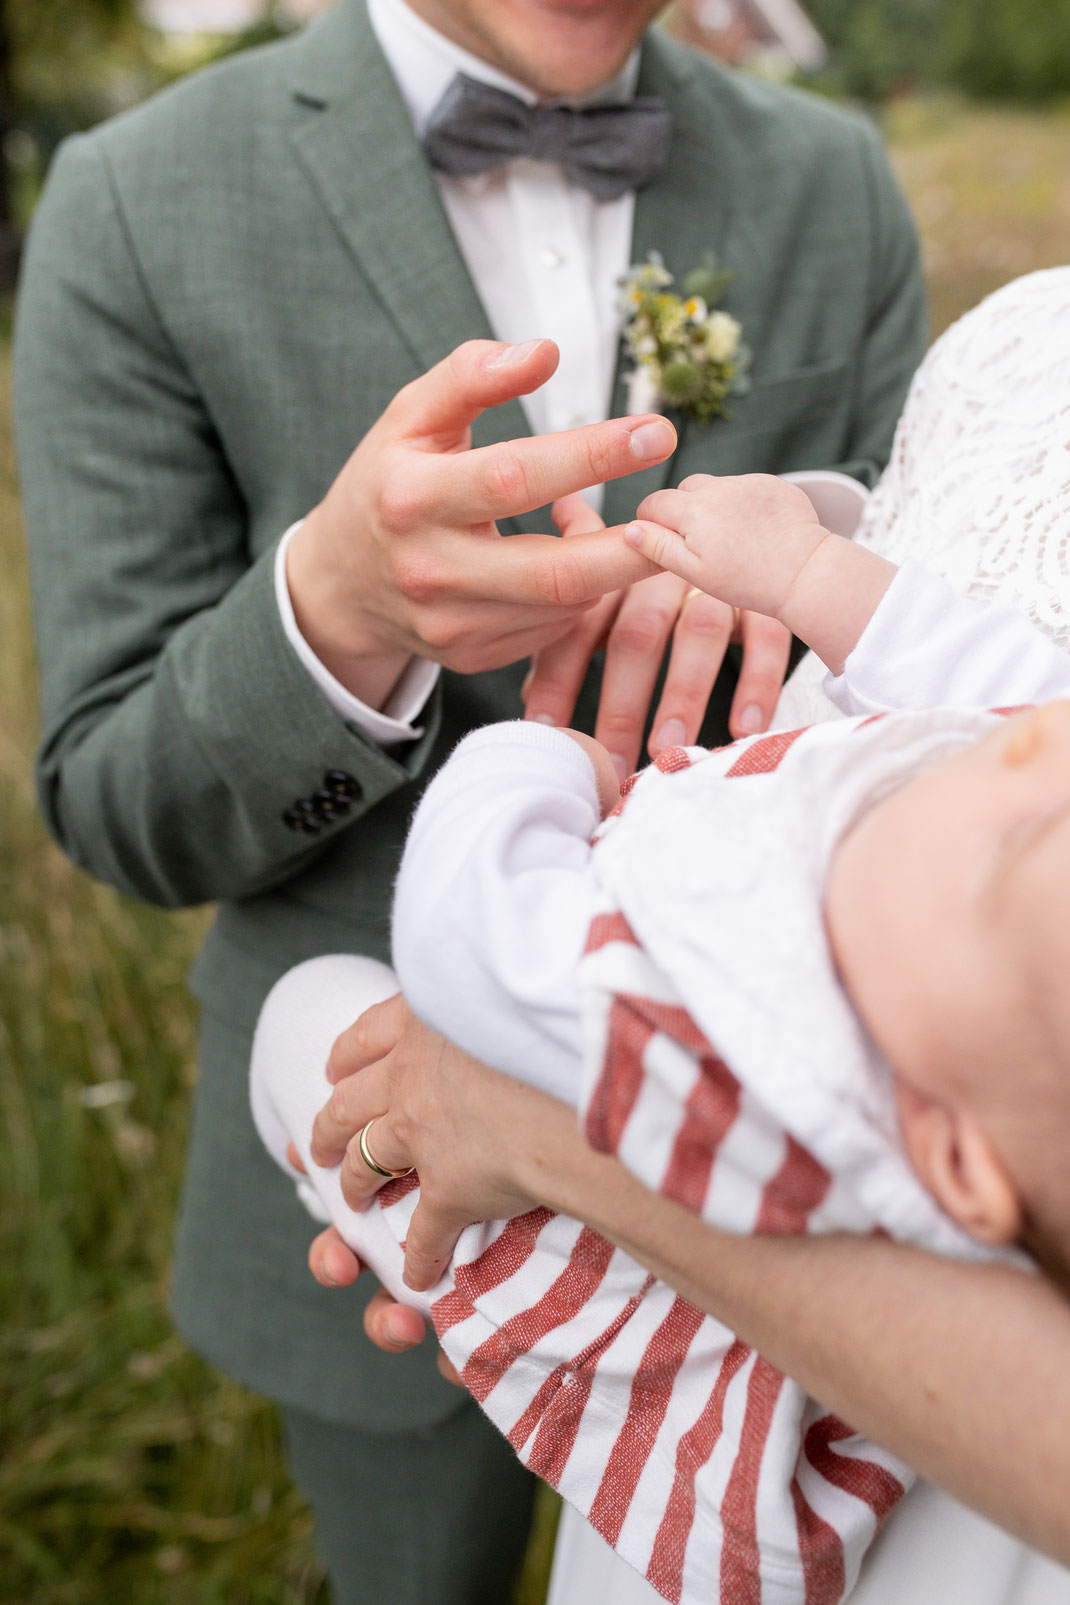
{"points": [[705, 1468]]}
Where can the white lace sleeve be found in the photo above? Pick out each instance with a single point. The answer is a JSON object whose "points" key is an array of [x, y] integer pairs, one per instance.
{"points": [[978, 487]]}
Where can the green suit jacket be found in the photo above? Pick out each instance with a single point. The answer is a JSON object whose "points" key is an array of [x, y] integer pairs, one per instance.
{"points": [[222, 291]]}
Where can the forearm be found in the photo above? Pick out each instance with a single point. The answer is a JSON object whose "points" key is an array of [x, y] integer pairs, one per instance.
{"points": [[175, 784], [179, 725], [942, 1363], [834, 594]]}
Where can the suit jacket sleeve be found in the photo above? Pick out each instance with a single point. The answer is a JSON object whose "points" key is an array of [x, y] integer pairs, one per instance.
{"points": [[178, 723]]}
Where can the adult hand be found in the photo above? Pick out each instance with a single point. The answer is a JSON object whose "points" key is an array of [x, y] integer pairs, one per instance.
{"points": [[635, 625], [402, 557], [469, 1131]]}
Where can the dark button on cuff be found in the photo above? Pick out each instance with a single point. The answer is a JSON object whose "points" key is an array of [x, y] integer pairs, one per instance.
{"points": [[327, 806], [339, 784], [301, 818]]}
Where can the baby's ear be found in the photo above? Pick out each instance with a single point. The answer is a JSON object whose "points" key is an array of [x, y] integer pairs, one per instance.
{"points": [[953, 1157]]}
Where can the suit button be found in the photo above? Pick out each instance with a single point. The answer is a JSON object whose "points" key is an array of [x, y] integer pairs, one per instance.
{"points": [[301, 818], [326, 806], [339, 784]]}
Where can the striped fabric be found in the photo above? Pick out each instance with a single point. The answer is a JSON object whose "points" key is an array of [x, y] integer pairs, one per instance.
{"points": [[705, 1468]]}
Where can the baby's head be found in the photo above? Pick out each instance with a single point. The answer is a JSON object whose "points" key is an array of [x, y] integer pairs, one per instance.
{"points": [[948, 910]]}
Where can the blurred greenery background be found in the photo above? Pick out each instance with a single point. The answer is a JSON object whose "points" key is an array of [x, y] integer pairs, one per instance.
{"points": [[127, 1470]]}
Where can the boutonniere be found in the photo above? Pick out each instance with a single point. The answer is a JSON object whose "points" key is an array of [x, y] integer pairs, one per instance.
{"points": [[686, 352]]}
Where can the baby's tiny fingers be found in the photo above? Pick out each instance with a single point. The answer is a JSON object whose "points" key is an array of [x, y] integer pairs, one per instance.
{"points": [[666, 548]]}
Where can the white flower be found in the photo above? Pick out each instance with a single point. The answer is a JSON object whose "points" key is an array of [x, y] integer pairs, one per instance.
{"points": [[722, 336], [644, 389], [696, 309]]}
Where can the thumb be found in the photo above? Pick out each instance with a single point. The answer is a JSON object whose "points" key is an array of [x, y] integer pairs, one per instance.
{"points": [[448, 398]]}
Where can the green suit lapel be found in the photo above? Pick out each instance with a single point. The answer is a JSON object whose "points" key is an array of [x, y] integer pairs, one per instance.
{"points": [[357, 146], [684, 214]]}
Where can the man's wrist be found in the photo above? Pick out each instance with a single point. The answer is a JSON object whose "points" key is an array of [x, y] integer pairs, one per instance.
{"points": [[363, 663]]}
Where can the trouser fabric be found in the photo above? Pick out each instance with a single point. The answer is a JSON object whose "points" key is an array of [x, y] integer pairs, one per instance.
{"points": [[437, 1516]]}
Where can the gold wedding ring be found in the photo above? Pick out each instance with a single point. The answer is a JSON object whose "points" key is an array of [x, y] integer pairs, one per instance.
{"points": [[696, 590], [373, 1164]]}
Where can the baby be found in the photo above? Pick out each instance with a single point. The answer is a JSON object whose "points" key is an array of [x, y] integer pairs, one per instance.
{"points": [[721, 975]]}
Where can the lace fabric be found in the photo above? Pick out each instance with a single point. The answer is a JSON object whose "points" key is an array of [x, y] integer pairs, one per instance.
{"points": [[978, 487]]}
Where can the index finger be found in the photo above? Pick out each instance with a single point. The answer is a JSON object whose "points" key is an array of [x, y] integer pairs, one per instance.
{"points": [[542, 569], [448, 398], [369, 1038], [516, 476]]}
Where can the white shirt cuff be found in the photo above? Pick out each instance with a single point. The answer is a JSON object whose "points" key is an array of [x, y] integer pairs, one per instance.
{"points": [[838, 500], [385, 726]]}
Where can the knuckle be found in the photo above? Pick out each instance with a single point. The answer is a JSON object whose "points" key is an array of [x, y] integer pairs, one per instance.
{"points": [[417, 576], [704, 616], [504, 482], [641, 631], [443, 633], [560, 582], [550, 685], [619, 724], [403, 1129], [763, 686], [401, 507], [600, 455]]}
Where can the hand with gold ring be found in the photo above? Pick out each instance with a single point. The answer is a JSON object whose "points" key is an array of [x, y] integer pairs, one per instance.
{"points": [[431, 1106], [372, 1163], [696, 590]]}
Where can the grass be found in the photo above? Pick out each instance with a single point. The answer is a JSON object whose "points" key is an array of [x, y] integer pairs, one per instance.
{"points": [[128, 1470], [991, 192]]}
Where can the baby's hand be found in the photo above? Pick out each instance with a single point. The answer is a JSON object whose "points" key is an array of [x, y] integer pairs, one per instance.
{"points": [[744, 540], [604, 772]]}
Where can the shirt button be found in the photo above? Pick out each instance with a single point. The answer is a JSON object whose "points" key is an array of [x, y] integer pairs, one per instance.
{"points": [[551, 258]]}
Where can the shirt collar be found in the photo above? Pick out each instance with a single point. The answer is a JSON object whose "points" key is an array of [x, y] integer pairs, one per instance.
{"points": [[424, 61]]}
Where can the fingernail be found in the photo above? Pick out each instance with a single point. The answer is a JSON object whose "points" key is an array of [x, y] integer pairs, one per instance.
{"points": [[633, 533], [621, 765], [512, 355], [395, 1334], [651, 440], [752, 719], [671, 734], [541, 718]]}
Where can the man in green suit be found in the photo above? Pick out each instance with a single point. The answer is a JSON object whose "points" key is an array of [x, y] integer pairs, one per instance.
{"points": [[224, 291]]}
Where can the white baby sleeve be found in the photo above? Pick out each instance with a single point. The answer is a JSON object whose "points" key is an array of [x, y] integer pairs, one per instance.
{"points": [[494, 901], [927, 646]]}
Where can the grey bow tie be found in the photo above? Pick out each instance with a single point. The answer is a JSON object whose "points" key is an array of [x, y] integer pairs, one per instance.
{"points": [[605, 148]]}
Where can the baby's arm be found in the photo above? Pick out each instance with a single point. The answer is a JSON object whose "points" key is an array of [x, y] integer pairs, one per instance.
{"points": [[755, 542], [892, 637], [494, 899]]}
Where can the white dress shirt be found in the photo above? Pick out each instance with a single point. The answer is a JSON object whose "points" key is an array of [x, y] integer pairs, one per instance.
{"points": [[545, 257]]}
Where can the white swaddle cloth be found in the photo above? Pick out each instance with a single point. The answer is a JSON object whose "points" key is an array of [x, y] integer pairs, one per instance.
{"points": [[707, 1470]]}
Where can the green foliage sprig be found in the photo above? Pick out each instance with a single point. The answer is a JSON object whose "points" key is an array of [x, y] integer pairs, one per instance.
{"points": [[687, 353]]}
